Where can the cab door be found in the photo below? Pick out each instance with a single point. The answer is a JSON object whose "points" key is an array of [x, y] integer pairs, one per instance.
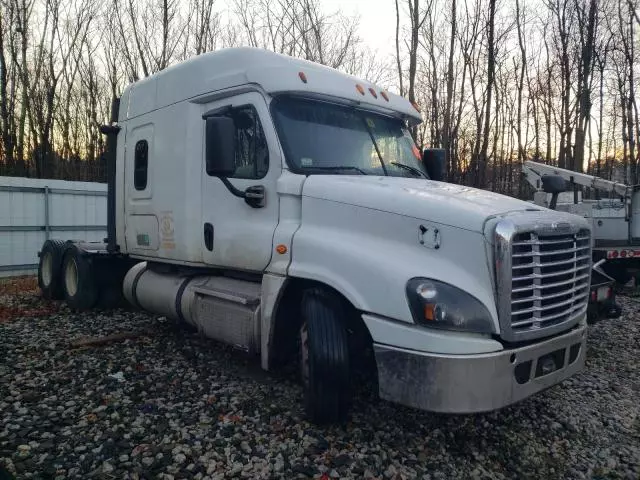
{"points": [[235, 234]]}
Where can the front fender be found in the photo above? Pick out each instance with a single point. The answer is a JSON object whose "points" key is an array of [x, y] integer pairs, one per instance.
{"points": [[369, 255]]}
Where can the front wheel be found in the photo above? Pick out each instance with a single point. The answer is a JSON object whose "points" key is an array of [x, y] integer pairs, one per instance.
{"points": [[324, 358]]}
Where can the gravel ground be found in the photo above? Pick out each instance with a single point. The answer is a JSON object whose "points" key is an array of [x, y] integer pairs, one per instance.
{"points": [[168, 404]]}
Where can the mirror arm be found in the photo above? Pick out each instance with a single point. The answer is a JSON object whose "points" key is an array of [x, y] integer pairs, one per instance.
{"points": [[253, 196], [232, 189]]}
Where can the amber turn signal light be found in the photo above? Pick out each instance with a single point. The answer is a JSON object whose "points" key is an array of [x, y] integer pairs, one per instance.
{"points": [[430, 311]]}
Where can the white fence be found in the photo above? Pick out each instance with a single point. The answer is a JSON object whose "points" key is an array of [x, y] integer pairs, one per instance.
{"points": [[33, 210]]}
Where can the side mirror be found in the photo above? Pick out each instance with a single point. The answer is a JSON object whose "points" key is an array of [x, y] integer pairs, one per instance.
{"points": [[435, 163], [553, 184], [220, 146]]}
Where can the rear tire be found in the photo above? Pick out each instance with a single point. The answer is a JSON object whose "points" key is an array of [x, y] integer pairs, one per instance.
{"points": [[50, 270], [324, 358], [78, 280]]}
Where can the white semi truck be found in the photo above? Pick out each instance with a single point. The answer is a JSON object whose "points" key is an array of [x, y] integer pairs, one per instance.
{"points": [[282, 207]]}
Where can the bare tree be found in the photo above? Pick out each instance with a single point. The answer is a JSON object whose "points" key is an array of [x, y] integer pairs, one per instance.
{"points": [[6, 128], [491, 67], [601, 57], [398, 61], [587, 23], [520, 25], [498, 81], [446, 129], [204, 26], [417, 20], [299, 28], [561, 12]]}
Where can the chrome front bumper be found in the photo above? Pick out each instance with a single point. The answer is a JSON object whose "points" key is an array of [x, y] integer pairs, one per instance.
{"points": [[478, 383]]}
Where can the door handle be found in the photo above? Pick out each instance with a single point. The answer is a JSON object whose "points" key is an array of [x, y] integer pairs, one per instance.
{"points": [[208, 236]]}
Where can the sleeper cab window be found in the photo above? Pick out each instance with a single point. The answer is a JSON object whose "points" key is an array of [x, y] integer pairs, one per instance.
{"points": [[141, 165], [252, 151]]}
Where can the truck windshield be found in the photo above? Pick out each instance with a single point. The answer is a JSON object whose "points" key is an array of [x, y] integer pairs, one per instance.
{"points": [[321, 137]]}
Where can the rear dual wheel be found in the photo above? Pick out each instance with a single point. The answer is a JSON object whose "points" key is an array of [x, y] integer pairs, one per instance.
{"points": [[50, 270], [79, 284]]}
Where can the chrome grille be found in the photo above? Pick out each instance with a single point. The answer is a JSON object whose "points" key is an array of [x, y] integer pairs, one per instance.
{"points": [[543, 277], [550, 278]]}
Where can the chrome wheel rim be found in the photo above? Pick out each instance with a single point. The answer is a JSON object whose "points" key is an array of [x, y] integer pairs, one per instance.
{"points": [[71, 277], [47, 269]]}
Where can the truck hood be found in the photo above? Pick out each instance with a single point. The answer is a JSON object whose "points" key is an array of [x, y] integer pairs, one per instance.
{"points": [[444, 203]]}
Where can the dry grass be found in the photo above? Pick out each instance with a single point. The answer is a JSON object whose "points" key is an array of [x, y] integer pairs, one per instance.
{"points": [[20, 298], [19, 285]]}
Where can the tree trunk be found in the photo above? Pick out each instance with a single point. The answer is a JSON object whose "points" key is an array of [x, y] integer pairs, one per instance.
{"points": [[601, 65], [446, 128], [491, 67], [414, 11], [398, 59], [6, 132], [523, 66], [584, 83], [633, 147]]}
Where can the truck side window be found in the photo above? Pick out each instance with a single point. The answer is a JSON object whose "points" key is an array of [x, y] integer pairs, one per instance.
{"points": [[141, 164], [252, 151]]}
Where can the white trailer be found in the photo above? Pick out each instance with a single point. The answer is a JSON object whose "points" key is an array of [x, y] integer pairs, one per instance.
{"points": [[615, 221], [282, 207]]}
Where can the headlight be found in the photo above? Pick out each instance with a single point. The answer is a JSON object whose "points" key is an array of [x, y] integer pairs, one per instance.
{"points": [[440, 305]]}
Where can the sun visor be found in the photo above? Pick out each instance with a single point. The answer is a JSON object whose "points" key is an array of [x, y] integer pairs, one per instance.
{"points": [[326, 82]]}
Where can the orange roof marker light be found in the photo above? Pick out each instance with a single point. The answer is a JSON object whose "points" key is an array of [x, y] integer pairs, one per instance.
{"points": [[373, 92], [384, 95], [360, 88], [303, 77], [281, 249]]}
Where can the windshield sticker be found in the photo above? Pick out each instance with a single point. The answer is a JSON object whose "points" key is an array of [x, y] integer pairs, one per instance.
{"points": [[306, 162], [370, 123]]}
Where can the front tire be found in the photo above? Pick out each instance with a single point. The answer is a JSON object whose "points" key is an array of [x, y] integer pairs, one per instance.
{"points": [[78, 280], [324, 358]]}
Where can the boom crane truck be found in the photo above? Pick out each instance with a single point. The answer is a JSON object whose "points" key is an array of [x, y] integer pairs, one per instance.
{"points": [[615, 222], [283, 207]]}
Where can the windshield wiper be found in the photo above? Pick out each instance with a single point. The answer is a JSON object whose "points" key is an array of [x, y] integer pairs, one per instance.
{"points": [[410, 168], [375, 144], [338, 167]]}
